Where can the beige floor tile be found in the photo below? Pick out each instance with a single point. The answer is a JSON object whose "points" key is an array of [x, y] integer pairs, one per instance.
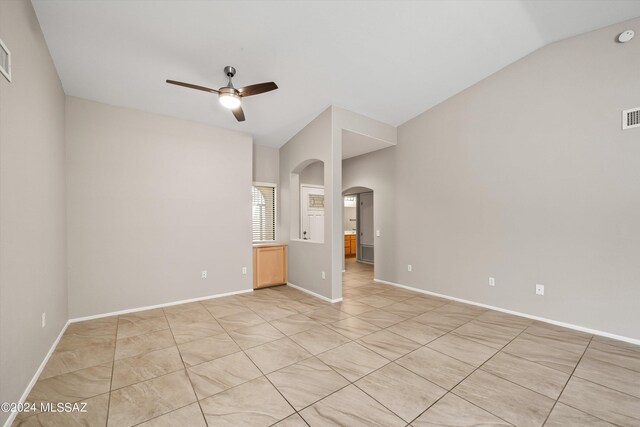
{"points": [[73, 386], [328, 315], [129, 328], [185, 332], [353, 307], [145, 366], [306, 382], [64, 361], [608, 375], [443, 321], [253, 404], [376, 301], [404, 309], [353, 328], [294, 324], [95, 415], [274, 311], [73, 341], [400, 390], [189, 316], [105, 326], [140, 344], [489, 334], [416, 331], [602, 402], [240, 320], [292, 421], [318, 340], [206, 349], [468, 351], [221, 374], [453, 411], [388, 345], [277, 354], [438, 368], [536, 377], [353, 361], [427, 303], [541, 351], [188, 416], [219, 310], [509, 401], [380, 318], [566, 416], [504, 319], [149, 399], [350, 407], [255, 335], [142, 315], [179, 308], [622, 356]]}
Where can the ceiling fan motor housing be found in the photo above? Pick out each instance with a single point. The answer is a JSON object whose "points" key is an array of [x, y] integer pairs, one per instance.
{"points": [[229, 71]]}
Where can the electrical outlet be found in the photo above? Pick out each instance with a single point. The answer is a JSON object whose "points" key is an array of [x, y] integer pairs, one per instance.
{"points": [[377, 233], [539, 289], [244, 270], [204, 274], [44, 319], [324, 276], [409, 268], [492, 281]]}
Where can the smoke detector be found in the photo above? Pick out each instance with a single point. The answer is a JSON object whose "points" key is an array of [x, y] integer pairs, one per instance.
{"points": [[626, 36]]}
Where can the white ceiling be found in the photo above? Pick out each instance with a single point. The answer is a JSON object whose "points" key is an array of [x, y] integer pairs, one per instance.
{"points": [[389, 60]]}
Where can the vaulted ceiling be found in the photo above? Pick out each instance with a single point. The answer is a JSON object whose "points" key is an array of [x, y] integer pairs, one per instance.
{"points": [[389, 60]]}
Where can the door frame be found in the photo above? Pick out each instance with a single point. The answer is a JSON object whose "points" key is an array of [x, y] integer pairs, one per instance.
{"points": [[302, 208]]}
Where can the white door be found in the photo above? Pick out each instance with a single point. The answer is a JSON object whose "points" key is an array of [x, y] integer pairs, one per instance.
{"points": [[312, 213]]}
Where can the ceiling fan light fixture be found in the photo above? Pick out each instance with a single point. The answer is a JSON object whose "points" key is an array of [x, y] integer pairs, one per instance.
{"points": [[229, 100]]}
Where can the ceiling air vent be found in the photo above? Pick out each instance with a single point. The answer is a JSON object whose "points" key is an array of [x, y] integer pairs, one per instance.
{"points": [[5, 61], [631, 118]]}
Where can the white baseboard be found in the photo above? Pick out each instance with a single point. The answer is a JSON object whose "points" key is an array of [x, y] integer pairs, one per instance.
{"points": [[517, 313], [34, 379], [314, 294], [150, 307]]}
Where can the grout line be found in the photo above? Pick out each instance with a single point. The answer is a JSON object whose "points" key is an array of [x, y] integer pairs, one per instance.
{"points": [[284, 298], [567, 382]]}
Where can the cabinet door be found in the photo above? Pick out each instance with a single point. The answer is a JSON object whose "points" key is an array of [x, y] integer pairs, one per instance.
{"points": [[353, 246], [270, 266]]}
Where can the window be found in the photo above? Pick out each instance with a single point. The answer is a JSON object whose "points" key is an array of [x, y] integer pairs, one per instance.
{"points": [[264, 212]]}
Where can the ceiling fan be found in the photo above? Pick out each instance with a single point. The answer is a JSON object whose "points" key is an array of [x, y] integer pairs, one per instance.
{"points": [[229, 96]]}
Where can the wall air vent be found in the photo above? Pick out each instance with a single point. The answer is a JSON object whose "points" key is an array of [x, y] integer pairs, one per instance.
{"points": [[5, 61], [631, 118]]}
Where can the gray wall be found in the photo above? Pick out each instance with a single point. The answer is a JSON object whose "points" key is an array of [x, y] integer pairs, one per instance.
{"points": [[307, 260], [313, 174], [266, 164], [32, 203], [526, 177], [152, 201]]}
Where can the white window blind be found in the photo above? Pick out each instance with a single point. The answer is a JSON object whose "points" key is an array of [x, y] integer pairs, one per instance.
{"points": [[264, 213]]}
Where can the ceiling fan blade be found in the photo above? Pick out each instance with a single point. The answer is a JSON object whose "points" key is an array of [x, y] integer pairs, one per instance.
{"points": [[238, 113], [190, 86], [257, 89]]}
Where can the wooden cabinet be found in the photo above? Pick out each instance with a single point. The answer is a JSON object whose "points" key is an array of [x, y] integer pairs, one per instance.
{"points": [[350, 245], [269, 265]]}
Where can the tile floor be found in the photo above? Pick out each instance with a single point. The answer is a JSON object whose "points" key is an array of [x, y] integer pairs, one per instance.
{"points": [[382, 357]]}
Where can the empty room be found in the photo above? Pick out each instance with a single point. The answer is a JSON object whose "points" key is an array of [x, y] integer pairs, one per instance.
{"points": [[300, 213]]}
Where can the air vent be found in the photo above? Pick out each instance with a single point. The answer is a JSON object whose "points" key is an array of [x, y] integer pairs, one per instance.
{"points": [[631, 118], [5, 61]]}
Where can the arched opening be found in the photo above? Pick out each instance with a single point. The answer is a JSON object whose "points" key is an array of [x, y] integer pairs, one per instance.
{"points": [[308, 201]]}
